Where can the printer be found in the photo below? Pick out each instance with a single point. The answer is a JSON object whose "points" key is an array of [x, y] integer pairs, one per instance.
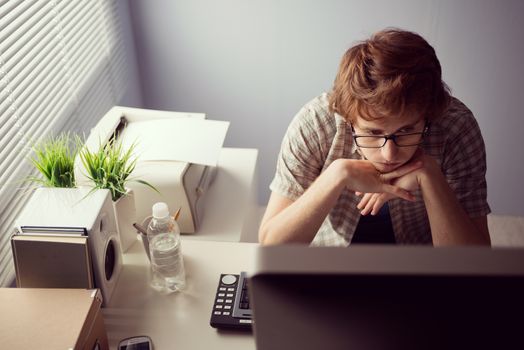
{"points": [[182, 182]]}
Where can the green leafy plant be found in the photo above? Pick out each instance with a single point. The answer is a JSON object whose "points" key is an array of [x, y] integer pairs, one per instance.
{"points": [[54, 158], [110, 167]]}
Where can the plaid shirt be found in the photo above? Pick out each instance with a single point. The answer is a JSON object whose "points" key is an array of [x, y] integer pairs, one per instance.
{"points": [[316, 137]]}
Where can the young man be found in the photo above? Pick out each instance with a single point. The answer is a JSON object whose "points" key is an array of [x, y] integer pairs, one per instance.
{"points": [[388, 156]]}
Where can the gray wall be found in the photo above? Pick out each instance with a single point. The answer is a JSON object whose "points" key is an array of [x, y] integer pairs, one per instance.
{"points": [[133, 94], [256, 62]]}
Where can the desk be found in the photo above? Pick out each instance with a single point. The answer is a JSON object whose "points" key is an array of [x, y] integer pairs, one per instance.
{"points": [[177, 321], [230, 207], [181, 320]]}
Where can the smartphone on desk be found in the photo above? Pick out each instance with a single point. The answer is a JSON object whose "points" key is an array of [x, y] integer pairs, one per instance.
{"points": [[136, 343]]}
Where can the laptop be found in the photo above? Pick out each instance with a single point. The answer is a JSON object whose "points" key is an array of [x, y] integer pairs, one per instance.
{"points": [[381, 297]]}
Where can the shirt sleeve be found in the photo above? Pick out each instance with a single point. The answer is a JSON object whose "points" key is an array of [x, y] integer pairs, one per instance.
{"points": [[301, 158], [464, 163]]}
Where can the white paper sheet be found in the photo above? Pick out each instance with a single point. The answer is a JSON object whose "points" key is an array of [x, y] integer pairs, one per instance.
{"points": [[182, 139]]}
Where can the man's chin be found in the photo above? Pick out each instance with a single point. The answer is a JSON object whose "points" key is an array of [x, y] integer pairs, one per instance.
{"points": [[387, 167]]}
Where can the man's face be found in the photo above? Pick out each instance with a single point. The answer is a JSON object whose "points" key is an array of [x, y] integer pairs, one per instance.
{"points": [[390, 156]]}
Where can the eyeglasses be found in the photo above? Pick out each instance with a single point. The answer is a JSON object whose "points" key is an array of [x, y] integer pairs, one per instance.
{"points": [[401, 140]]}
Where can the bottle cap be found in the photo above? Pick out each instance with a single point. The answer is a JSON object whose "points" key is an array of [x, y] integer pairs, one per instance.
{"points": [[160, 210]]}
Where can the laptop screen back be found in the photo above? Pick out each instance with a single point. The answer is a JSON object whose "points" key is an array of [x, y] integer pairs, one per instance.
{"points": [[388, 298]]}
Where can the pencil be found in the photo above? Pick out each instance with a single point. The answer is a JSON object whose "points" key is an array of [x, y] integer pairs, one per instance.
{"points": [[177, 214]]}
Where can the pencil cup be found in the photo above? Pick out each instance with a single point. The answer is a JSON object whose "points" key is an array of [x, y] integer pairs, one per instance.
{"points": [[145, 241]]}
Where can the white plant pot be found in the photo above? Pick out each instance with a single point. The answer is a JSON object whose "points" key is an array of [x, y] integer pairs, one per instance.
{"points": [[125, 215]]}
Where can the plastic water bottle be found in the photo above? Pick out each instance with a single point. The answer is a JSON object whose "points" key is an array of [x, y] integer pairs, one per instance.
{"points": [[165, 251]]}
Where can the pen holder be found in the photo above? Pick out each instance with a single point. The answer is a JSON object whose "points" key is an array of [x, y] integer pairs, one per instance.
{"points": [[145, 241]]}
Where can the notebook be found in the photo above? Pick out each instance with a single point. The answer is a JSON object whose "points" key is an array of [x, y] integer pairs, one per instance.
{"points": [[385, 297]]}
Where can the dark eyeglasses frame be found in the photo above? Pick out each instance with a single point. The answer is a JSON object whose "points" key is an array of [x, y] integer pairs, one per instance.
{"points": [[392, 137]]}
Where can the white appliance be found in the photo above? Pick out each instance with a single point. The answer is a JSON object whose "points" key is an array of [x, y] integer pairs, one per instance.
{"points": [[51, 211], [182, 183]]}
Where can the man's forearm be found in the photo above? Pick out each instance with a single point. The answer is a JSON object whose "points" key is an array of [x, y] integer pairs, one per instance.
{"points": [[450, 224], [300, 221]]}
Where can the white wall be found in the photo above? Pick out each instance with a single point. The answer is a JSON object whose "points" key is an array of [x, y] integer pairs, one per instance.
{"points": [[256, 62]]}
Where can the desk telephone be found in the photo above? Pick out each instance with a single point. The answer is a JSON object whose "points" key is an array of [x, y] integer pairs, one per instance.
{"points": [[231, 307]]}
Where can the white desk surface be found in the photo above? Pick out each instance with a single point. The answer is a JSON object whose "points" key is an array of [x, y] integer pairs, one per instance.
{"points": [[180, 320], [231, 198]]}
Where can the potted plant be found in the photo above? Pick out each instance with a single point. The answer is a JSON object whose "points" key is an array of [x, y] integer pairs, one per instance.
{"points": [[54, 158], [110, 167]]}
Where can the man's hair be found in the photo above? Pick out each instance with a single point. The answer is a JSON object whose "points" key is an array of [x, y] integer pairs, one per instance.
{"points": [[393, 73]]}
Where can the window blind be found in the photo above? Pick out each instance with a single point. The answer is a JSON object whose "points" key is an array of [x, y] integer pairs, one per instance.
{"points": [[62, 66]]}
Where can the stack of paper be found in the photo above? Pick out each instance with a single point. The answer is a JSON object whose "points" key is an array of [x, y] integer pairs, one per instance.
{"points": [[190, 140]]}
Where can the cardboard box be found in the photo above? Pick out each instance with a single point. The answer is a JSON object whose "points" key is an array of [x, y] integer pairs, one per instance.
{"points": [[33, 318]]}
